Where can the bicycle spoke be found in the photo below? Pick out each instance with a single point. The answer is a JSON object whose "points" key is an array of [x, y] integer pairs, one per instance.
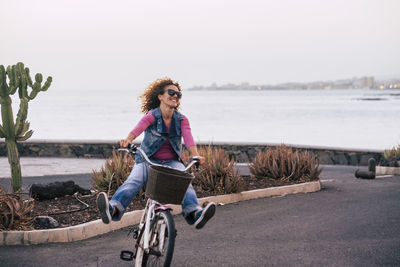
{"points": [[162, 236], [162, 242]]}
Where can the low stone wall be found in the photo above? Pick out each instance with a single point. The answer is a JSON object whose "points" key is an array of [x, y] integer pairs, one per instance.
{"points": [[326, 155], [64, 149], [241, 152]]}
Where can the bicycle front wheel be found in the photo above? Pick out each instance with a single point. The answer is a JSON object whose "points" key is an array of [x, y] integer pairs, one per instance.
{"points": [[162, 240]]}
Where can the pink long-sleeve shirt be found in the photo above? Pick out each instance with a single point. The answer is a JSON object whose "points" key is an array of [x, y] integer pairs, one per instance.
{"points": [[166, 152]]}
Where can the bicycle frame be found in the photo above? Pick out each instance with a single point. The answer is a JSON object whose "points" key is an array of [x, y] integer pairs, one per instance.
{"points": [[149, 213], [152, 207]]}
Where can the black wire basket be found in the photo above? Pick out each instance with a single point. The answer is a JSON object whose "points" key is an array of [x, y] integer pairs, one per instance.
{"points": [[166, 185]]}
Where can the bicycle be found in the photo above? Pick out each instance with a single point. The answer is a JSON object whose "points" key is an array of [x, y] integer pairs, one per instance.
{"points": [[155, 234]]}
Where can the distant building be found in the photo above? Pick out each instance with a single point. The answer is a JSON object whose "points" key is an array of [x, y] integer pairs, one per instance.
{"points": [[368, 82]]}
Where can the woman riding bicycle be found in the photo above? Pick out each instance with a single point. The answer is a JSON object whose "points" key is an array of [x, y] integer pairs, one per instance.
{"points": [[164, 127]]}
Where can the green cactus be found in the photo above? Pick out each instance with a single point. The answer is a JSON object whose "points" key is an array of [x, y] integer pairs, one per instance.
{"points": [[18, 79]]}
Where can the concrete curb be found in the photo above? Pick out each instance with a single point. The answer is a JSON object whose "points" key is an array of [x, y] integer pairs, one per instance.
{"points": [[94, 228], [382, 170]]}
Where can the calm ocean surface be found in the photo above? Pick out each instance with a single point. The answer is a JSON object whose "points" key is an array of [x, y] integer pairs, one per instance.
{"points": [[335, 118]]}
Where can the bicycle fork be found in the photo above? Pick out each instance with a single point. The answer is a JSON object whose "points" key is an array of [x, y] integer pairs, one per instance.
{"points": [[149, 217], [143, 234]]}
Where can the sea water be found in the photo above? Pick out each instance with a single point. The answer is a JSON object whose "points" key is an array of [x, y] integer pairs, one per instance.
{"points": [[362, 119]]}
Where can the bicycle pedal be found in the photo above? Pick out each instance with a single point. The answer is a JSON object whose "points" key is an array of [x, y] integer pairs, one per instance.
{"points": [[127, 255]]}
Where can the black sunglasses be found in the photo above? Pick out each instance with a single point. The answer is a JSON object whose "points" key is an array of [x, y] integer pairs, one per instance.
{"points": [[173, 92]]}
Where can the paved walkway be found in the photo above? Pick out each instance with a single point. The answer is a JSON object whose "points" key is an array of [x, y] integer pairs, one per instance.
{"points": [[46, 170], [33, 167]]}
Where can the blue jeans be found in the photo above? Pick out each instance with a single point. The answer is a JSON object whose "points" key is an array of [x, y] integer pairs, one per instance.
{"points": [[137, 179]]}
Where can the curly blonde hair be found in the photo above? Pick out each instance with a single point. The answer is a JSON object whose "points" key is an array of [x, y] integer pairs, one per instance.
{"points": [[150, 95]]}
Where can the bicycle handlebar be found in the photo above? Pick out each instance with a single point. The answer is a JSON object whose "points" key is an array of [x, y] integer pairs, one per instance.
{"points": [[132, 149]]}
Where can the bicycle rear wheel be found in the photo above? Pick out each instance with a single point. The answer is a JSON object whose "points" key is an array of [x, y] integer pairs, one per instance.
{"points": [[162, 240]]}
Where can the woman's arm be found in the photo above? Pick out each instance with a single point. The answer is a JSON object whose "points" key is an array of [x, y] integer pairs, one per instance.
{"points": [[193, 151], [139, 128], [188, 139]]}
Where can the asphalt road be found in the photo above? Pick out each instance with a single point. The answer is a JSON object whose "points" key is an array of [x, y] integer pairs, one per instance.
{"points": [[350, 222]]}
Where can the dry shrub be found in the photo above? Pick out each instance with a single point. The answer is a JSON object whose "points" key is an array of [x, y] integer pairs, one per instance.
{"points": [[217, 174], [391, 157], [284, 164], [15, 212], [114, 172]]}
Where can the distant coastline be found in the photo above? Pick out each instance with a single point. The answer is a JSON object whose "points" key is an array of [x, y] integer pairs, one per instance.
{"points": [[366, 82]]}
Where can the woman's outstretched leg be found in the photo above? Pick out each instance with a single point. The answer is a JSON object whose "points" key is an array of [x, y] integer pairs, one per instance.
{"points": [[191, 210], [115, 208]]}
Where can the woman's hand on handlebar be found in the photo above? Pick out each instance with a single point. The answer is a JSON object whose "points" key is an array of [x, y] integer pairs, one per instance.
{"points": [[201, 159], [195, 154], [124, 143]]}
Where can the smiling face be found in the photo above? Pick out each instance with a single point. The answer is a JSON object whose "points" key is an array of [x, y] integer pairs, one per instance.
{"points": [[167, 99]]}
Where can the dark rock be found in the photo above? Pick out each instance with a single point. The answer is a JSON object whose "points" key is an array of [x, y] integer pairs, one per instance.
{"points": [[56, 189], [46, 222]]}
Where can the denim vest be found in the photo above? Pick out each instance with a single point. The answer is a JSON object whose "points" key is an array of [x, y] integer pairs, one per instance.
{"points": [[157, 133]]}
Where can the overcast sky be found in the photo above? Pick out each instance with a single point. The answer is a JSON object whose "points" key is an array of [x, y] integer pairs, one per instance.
{"points": [[127, 44]]}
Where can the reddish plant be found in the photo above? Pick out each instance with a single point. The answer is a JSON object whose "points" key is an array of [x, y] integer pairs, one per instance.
{"points": [[282, 163]]}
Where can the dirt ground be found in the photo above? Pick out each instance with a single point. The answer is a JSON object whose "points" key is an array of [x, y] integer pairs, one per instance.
{"points": [[78, 209]]}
